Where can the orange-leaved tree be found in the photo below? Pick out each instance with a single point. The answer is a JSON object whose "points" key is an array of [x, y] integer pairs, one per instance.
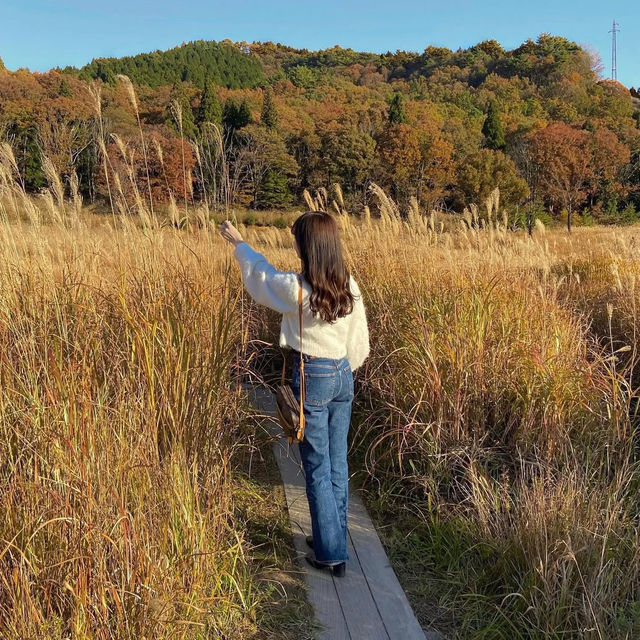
{"points": [[563, 157]]}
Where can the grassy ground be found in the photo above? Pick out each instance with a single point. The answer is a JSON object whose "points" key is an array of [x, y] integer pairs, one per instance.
{"points": [[494, 430], [127, 506]]}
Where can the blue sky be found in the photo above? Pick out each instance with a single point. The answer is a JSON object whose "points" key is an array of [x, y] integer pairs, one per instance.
{"points": [[40, 34]]}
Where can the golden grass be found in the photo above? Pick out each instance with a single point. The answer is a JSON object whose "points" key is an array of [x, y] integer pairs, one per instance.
{"points": [[121, 429], [495, 417]]}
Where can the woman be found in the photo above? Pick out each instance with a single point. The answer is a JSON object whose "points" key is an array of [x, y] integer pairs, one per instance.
{"points": [[335, 342]]}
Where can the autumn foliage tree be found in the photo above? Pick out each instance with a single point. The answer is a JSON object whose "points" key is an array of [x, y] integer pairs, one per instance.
{"points": [[128, 173], [481, 172], [609, 155], [347, 156], [563, 157], [398, 160], [436, 170]]}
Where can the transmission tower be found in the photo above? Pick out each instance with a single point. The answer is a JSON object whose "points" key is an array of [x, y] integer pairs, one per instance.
{"points": [[614, 62]]}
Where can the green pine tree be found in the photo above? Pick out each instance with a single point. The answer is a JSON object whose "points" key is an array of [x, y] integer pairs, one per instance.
{"points": [[244, 114], [397, 111], [28, 155], [195, 62], [274, 190], [105, 73], [236, 116], [492, 129], [65, 89], [269, 116], [210, 109], [230, 114]]}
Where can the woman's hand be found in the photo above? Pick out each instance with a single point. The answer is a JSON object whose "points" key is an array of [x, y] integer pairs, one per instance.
{"points": [[230, 233]]}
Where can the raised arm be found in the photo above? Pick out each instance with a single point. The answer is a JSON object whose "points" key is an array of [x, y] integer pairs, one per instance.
{"points": [[275, 289], [358, 334]]}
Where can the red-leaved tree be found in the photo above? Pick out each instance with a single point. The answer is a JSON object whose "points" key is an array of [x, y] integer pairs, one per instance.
{"points": [[563, 157]]}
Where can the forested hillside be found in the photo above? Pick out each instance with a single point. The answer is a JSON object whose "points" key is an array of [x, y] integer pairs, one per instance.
{"points": [[195, 62], [254, 124]]}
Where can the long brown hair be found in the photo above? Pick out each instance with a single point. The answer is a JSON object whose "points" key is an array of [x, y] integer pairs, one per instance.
{"points": [[323, 266]]}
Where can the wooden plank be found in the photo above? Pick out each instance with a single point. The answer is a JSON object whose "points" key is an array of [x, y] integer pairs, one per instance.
{"points": [[322, 591], [368, 603], [395, 610], [360, 611]]}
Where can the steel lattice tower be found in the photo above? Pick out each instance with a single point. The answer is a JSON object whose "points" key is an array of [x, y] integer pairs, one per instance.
{"points": [[614, 62]]}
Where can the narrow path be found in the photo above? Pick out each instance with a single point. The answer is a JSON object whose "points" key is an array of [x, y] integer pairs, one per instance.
{"points": [[368, 603]]}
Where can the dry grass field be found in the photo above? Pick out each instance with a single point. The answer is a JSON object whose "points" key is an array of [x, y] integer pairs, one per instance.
{"points": [[133, 499], [494, 431]]}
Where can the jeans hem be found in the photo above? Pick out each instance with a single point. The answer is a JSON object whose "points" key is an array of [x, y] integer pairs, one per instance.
{"points": [[331, 561]]}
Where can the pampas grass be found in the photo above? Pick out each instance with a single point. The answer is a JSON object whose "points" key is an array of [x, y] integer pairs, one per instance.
{"points": [[131, 92], [95, 91], [120, 426], [309, 200], [176, 110], [492, 424]]}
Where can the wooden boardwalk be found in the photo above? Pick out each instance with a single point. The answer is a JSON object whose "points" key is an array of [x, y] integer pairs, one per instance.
{"points": [[368, 603]]}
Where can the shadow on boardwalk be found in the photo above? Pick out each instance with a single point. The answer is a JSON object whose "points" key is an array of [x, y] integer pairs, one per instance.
{"points": [[368, 603]]}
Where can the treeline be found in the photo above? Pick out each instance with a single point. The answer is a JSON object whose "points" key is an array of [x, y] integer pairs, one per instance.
{"points": [[195, 62], [256, 124]]}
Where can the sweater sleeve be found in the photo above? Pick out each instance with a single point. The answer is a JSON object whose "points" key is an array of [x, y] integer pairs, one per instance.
{"points": [[358, 333], [275, 289]]}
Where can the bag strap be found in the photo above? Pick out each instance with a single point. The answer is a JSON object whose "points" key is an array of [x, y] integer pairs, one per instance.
{"points": [[302, 382]]}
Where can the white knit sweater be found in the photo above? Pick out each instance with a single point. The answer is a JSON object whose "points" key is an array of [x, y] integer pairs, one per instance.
{"points": [[348, 336]]}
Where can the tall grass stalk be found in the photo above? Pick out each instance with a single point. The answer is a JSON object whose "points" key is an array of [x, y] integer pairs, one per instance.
{"points": [[133, 98]]}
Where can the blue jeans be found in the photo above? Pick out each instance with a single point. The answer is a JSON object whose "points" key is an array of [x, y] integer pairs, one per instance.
{"points": [[323, 451]]}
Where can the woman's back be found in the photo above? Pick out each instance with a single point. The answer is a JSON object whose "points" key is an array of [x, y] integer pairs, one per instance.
{"points": [[347, 336], [322, 338]]}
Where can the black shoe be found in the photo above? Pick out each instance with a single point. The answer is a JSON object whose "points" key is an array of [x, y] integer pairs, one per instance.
{"points": [[309, 541], [337, 570]]}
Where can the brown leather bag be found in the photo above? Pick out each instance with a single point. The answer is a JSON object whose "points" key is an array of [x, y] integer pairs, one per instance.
{"points": [[290, 411]]}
